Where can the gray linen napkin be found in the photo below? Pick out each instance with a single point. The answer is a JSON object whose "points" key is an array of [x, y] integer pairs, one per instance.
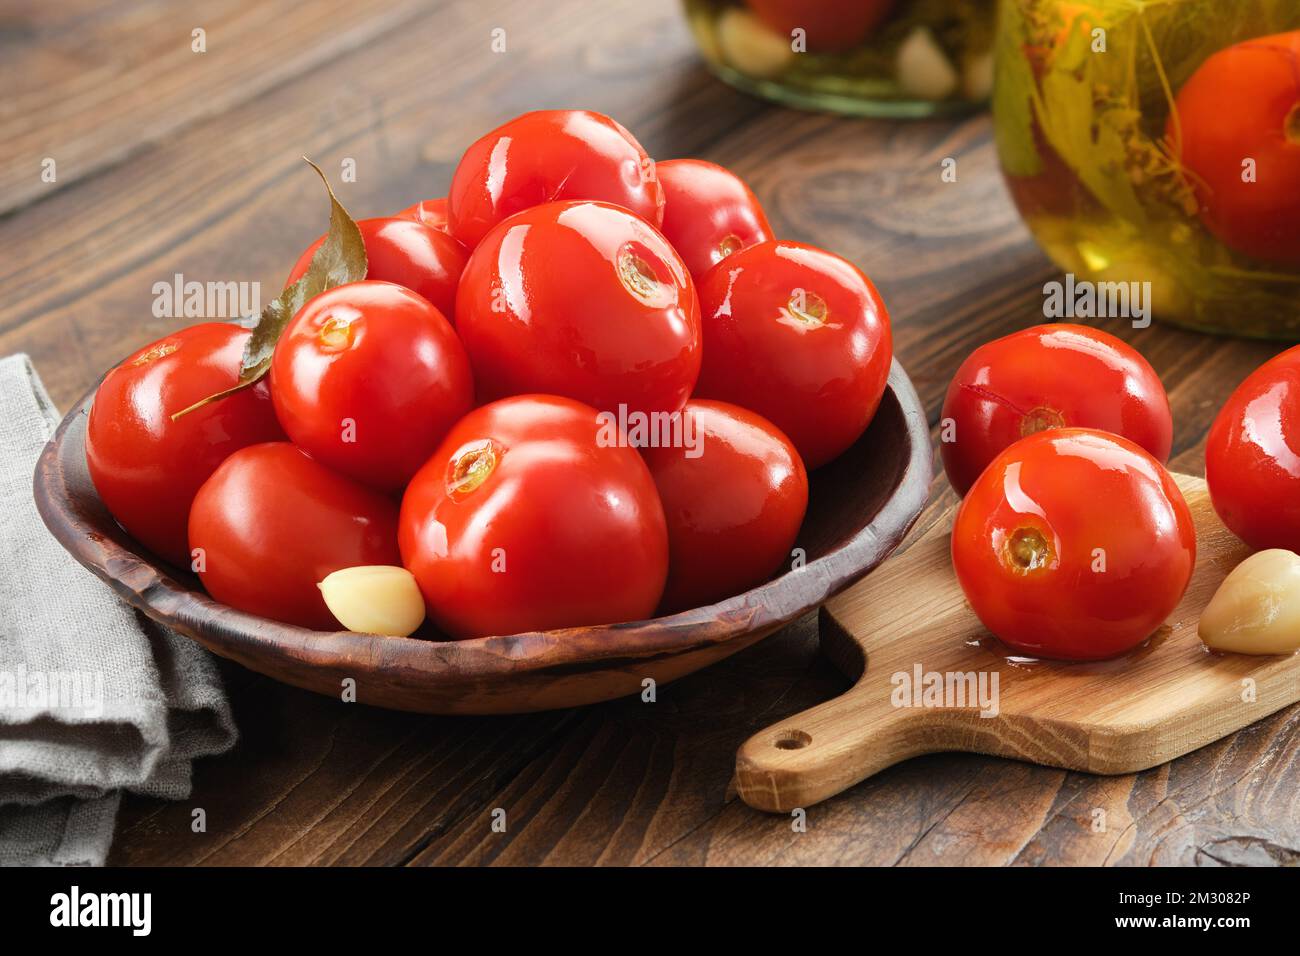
{"points": [[94, 698]]}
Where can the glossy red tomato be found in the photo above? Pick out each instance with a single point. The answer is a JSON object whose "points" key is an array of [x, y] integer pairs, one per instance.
{"points": [[734, 493], [530, 517], [546, 156], [1049, 376], [431, 212], [585, 300], [1074, 544], [147, 467], [831, 26], [271, 523], [800, 336], [1252, 456], [709, 213], [1244, 103], [425, 260], [368, 378]]}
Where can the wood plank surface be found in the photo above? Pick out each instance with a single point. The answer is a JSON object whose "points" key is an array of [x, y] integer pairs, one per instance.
{"points": [[171, 161]]}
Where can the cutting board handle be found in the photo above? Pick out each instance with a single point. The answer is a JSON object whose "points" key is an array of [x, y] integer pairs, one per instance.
{"points": [[818, 753]]}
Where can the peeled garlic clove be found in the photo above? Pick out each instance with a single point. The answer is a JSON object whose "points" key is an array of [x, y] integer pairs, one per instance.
{"points": [[750, 47], [1257, 607], [923, 69], [977, 76], [374, 599]]}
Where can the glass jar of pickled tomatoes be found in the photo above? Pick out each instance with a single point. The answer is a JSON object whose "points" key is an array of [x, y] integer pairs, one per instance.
{"points": [[1157, 144]]}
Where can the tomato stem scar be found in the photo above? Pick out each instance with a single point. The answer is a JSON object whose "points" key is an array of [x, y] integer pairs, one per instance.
{"points": [[335, 333], [807, 307], [1040, 419], [636, 275], [729, 245], [1037, 419], [471, 466], [156, 352], [1027, 550]]}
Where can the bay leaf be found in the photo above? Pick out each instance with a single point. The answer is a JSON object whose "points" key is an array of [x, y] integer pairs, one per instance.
{"points": [[340, 259]]}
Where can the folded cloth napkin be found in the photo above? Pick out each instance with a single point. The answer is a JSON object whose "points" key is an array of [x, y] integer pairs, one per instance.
{"points": [[94, 698]]}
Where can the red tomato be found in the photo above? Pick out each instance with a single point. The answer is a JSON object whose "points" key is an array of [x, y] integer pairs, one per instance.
{"points": [[530, 517], [1049, 376], [830, 26], [800, 336], [1252, 456], [734, 493], [409, 253], [546, 156], [709, 213], [1244, 103], [147, 467], [368, 378], [431, 212], [271, 523], [585, 300], [1073, 544]]}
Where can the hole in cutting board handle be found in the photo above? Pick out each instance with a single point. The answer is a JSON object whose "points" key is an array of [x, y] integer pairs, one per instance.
{"points": [[792, 740]]}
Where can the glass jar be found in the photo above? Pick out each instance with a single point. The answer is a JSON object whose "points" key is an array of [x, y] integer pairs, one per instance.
{"points": [[1136, 155], [894, 58]]}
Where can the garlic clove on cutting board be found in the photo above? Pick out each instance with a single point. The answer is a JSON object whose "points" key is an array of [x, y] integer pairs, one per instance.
{"points": [[1256, 609]]}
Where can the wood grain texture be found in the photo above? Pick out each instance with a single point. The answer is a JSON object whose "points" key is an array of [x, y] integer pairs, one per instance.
{"points": [[1160, 701], [111, 81], [223, 195]]}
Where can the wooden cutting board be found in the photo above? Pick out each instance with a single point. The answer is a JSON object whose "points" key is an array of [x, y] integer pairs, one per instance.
{"points": [[909, 618]]}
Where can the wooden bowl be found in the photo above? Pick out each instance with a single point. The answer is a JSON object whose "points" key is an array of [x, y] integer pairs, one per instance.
{"points": [[860, 508]]}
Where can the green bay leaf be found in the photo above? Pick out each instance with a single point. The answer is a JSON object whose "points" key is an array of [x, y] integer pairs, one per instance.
{"points": [[340, 259]]}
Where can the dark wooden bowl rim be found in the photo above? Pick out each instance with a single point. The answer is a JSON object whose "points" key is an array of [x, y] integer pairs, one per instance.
{"points": [[103, 548]]}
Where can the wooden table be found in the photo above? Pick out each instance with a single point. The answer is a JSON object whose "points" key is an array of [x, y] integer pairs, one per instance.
{"points": [[174, 161]]}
